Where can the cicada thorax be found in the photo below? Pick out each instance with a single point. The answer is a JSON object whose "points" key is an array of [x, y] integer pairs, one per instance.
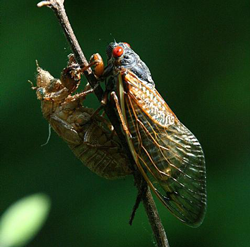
{"points": [[167, 154], [89, 135]]}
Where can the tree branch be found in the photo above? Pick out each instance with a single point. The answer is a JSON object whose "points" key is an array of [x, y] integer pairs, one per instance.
{"points": [[148, 202]]}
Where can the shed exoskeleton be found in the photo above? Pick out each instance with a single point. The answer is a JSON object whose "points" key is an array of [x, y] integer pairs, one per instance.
{"points": [[89, 135]]}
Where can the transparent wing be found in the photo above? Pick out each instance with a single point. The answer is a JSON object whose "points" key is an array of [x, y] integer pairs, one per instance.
{"points": [[170, 158]]}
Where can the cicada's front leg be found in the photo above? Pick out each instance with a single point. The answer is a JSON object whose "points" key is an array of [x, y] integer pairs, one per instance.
{"points": [[79, 97], [70, 78], [71, 75], [97, 65]]}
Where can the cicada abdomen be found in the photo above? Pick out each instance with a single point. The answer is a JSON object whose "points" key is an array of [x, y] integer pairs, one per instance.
{"points": [[167, 154], [90, 136]]}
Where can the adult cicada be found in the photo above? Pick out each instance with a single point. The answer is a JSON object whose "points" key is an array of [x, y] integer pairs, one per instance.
{"points": [[88, 134], [167, 154]]}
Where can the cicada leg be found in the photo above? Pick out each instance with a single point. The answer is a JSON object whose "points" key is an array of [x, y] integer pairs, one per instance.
{"points": [[101, 117], [71, 75], [141, 193], [97, 63], [80, 97], [123, 122]]}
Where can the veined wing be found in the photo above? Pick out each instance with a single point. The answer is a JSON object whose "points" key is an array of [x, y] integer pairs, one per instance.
{"points": [[168, 155]]}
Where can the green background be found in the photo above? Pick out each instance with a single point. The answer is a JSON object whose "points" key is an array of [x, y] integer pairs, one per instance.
{"points": [[199, 56]]}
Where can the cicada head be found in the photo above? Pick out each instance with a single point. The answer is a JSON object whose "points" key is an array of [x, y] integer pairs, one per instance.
{"points": [[46, 84], [122, 58]]}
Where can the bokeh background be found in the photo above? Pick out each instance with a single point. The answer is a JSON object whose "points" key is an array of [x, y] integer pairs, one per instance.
{"points": [[199, 56]]}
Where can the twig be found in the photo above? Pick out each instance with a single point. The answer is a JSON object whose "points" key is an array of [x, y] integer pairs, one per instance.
{"points": [[148, 202], [154, 219]]}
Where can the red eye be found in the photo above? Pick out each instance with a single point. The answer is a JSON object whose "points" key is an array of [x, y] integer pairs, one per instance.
{"points": [[127, 44], [117, 51]]}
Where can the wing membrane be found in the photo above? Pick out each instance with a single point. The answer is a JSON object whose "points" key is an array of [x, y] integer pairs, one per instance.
{"points": [[168, 154]]}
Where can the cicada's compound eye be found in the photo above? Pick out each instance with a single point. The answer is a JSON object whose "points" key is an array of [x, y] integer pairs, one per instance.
{"points": [[40, 93], [117, 51]]}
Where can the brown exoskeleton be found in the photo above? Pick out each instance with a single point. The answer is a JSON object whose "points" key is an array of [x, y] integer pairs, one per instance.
{"points": [[89, 135]]}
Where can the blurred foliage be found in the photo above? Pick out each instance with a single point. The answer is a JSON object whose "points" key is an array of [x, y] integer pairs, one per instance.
{"points": [[199, 56], [23, 219]]}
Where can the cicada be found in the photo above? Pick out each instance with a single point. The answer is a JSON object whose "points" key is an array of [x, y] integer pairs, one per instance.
{"points": [[88, 134], [167, 154]]}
